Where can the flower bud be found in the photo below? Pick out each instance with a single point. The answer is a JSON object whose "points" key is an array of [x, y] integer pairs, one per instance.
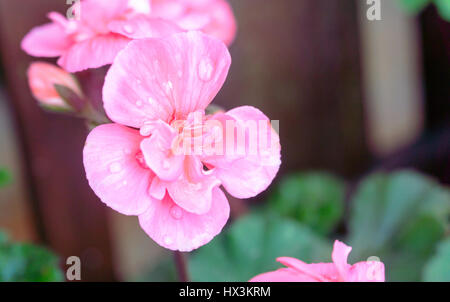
{"points": [[42, 78]]}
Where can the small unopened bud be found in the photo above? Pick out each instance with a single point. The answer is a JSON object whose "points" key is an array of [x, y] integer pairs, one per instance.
{"points": [[44, 77]]}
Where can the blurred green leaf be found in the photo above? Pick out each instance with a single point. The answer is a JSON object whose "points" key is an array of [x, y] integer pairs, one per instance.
{"points": [[437, 268], [399, 217], [414, 6], [314, 199], [5, 177], [443, 7], [164, 271], [21, 262], [251, 245]]}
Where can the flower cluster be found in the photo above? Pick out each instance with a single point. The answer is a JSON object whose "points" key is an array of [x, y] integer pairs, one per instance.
{"points": [[160, 154]]}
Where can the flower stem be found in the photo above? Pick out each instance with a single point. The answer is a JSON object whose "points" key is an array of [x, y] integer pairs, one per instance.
{"points": [[180, 264]]}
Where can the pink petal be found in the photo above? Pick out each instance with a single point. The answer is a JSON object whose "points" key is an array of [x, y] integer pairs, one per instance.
{"points": [[176, 229], [157, 188], [158, 155], [250, 174], [283, 275], [368, 271], [48, 40], [322, 272], [165, 78], [93, 53], [193, 193], [221, 22], [213, 17], [113, 171], [140, 27], [339, 255], [97, 14]]}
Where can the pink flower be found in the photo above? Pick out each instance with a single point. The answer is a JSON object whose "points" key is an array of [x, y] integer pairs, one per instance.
{"points": [[104, 28], [43, 76], [213, 17], [338, 271], [156, 92]]}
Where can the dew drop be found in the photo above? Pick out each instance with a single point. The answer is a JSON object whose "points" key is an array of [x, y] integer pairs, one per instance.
{"points": [[139, 103], [146, 130], [166, 164], [141, 160], [125, 182], [168, 86], [195, 186], [115, 168], [127, 151], [151, 101], [168, 240], [176, 212], [128, 28], [205, 69]]}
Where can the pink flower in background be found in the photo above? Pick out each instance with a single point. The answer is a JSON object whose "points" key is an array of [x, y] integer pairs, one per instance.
{"points": [[213, 17], [154, 92], [338, 271], [43, 76], [104, 28]]}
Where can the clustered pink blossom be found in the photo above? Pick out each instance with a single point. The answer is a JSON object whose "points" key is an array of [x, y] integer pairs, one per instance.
{"points": [[106, 26]]}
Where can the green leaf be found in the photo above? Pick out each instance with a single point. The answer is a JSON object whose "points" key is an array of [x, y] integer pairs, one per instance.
{"points": [[437, 268], [164, 271], [398, 217], [21, 262], [414, 6], [252, 244], [443, 7], [5, 177], [314, 199]]}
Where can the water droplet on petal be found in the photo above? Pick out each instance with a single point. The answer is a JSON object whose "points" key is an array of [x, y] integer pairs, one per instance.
{"points": [[146, 130], [141, 160], [151, 101], [115, 168], [205, 69], [176, 212], [125, 182], [168, 86], [139, 103], [128, 28], [168, 240], [195, 186], [166, 164], [127, 151]]}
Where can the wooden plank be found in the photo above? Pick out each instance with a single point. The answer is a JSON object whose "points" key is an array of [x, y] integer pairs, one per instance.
{"points": [[299, 62]]}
